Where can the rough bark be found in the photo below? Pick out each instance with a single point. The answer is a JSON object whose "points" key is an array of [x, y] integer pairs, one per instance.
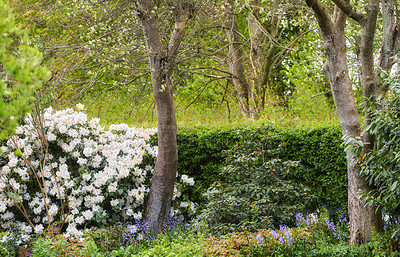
{"points": [[235, 62], [162, 62], [363, 220]]}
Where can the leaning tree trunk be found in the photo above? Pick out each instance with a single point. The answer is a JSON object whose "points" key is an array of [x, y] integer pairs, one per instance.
{"points": [[363, 220], [162, 61]]}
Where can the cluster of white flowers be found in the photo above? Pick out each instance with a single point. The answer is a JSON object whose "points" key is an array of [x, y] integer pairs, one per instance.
{"points": [[88, 175]]}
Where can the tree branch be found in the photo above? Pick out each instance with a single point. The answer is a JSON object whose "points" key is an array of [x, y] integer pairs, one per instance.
{"points": [[349, 11]]}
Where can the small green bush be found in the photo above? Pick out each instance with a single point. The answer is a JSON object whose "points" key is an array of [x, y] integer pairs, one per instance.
{"points": [[43, 248]]}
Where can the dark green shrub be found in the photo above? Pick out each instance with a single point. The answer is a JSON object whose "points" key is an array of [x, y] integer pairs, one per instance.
{"points": [[254, 191]]}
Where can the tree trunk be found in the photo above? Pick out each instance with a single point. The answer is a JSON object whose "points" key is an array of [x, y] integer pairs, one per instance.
{"points": [[162, 61], [363, 220], [235, 62], [163, 180]]}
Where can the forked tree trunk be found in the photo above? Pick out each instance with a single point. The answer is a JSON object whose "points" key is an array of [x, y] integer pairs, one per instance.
{"points": [[235, 62], [363, 220], [252, 70], [162, 62]]}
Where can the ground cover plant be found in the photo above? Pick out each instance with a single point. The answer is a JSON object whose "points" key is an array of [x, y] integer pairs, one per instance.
{"points": [[312, 235]]}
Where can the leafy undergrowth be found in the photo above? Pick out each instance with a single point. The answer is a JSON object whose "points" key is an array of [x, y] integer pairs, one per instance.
{"points": [[313, 236]]}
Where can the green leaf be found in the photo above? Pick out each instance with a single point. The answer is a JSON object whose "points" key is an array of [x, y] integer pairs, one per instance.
{"points": [[18, 152], [394, 186]]}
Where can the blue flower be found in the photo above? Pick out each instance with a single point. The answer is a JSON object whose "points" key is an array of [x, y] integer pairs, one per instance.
{"points": [[259, 238], [299, 218]]}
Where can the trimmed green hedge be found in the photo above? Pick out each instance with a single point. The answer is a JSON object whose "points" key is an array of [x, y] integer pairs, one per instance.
{"points": [[322, 163], [201, 155], [320, 152]]}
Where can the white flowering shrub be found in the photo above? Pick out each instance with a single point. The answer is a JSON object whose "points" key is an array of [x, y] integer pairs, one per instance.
{"points": [[62, 168]]}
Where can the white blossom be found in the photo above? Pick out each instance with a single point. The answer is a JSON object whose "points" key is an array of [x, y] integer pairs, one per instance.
{"points": [[107, 161]]}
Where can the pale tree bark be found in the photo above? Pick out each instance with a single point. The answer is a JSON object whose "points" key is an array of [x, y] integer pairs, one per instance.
{"points": [[162, 62], [235, 61], [363, 220], [369, 76], [251, 60]]}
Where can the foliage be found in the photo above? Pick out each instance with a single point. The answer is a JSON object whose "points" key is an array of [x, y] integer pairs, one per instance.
{"points": [[43, 248], [381, 164], [4, 251], [254, 191], [312, 237], [61, 246], [322, 163], [106, 239], [181, 244], [320, 155], [20, 71], [384, 244], [63, 168], [201, 155], [13, 239]]}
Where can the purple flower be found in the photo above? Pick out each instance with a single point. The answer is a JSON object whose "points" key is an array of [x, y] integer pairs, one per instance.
{"points": [[138, 232], [299, 218], [286, 235], [259, 238], [343, 219], [172, 223], [273, 232]]}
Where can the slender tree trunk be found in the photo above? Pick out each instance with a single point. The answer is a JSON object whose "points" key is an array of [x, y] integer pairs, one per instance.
{"points": [[162, 61], [391, 42]]}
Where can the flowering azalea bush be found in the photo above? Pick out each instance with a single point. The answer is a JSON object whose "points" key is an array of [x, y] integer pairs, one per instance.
{"points": [[61, 168]]}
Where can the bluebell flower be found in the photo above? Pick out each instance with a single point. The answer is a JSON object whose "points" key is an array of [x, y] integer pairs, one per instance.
{"points": [[138, 232], [259, 238], [343, 219], [273, 232], [299, 218], [286, 235], [172, 223]]}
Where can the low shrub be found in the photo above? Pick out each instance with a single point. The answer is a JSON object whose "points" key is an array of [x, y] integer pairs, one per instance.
{"points": [[60, 246]]}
